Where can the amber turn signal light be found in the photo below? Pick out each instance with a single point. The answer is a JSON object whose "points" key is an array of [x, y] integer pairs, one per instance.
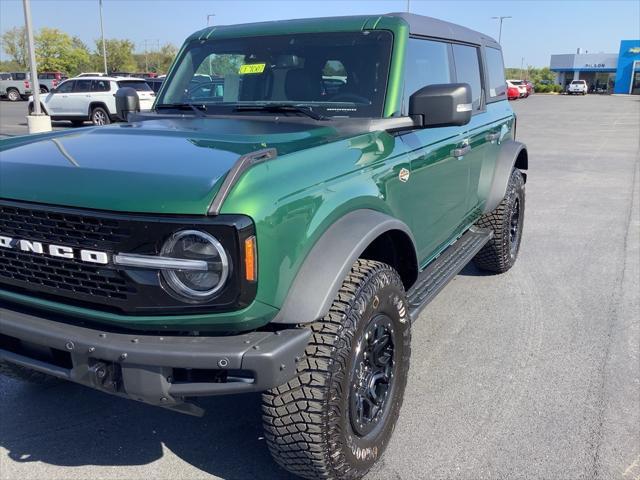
{"points": [[250, 259]]}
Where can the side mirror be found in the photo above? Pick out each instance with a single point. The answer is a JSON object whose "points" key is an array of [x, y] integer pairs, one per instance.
{"points": [[127, 102], [441, 105]]}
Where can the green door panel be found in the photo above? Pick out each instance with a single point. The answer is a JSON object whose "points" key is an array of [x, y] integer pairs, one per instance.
{"points": [[491, 130], [438, 186]]}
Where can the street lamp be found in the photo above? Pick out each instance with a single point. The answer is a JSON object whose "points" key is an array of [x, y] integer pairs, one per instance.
{"points": [[104, 48], [500, 31], [36, 122]]}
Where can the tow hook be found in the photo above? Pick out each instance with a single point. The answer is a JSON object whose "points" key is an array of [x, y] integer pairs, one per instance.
{"points": [[106, 376]]}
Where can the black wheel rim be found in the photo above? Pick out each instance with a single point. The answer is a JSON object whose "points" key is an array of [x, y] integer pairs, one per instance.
{"points": [[514, 227], [372, 375]]}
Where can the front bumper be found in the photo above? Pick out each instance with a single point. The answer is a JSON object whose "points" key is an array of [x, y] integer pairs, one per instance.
{"points": [[154, 369]]}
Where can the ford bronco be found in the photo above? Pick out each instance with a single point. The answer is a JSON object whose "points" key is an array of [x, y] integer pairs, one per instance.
{"points": [[299, 193]]}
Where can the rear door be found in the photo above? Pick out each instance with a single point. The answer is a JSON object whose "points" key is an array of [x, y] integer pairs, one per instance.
{"points": [[500, 120], [101, 93], [468, 69]]}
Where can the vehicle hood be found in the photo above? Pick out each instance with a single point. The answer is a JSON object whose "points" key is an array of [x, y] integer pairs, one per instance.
{"points": [[165, 165]]}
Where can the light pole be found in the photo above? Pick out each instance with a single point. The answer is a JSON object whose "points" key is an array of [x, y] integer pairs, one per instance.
{"points": [[104, 48], [408, 6], [500, 31], [36, 122], [211, 15]]}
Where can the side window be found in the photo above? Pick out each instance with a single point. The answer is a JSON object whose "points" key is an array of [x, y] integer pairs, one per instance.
{"points": [[100, 85], [495, 69], [427, 64], [19, 76], [468, 71], [66, 87], [82, 86]]}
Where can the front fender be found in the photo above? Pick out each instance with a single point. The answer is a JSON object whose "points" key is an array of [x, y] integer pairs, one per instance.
{"points": [[328, 263]]}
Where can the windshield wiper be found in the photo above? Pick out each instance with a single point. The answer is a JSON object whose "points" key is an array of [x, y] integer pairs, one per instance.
{"points": [[281, 107], [183, 106]]}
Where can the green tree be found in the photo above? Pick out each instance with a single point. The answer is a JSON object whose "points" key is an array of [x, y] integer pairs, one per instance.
{"points": [[14, 43], [58, 51], [119, 55]]}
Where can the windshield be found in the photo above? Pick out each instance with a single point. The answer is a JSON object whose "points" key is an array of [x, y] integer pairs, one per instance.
{"points": [[334, 74]]}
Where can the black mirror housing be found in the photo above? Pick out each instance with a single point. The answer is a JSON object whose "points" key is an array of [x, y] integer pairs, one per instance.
{"points": [[441, 105], [127, 102]]}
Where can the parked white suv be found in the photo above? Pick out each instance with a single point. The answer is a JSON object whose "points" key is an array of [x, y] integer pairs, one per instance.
{"points": [[577, 86], [91, 98]]}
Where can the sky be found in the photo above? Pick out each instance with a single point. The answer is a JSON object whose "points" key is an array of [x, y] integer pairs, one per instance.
{"points": [[537, 29]]}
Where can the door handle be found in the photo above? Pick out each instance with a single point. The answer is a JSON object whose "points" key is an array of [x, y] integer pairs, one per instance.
{"points": [[461, 151], [492, 137]]}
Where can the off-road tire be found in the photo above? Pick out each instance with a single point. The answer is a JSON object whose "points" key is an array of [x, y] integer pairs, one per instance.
{"points": [[13, 95], [19, 372], [308, 421], [500, 254]]}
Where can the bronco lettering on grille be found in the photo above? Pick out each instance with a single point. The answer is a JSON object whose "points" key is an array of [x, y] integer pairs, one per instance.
{"points": [[60, 251]]}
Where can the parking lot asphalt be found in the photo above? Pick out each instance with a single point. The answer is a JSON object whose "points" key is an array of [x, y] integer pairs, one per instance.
{"points": [[13, 119], [534, 374]]}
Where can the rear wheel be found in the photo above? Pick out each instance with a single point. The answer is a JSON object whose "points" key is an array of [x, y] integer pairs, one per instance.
{"points": [[335, 418], [19, 372], [13, 94], [506, 221], [44, 90], [99, 116]]}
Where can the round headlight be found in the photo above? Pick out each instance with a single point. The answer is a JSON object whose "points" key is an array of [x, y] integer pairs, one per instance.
{"points": [[196, 285]]}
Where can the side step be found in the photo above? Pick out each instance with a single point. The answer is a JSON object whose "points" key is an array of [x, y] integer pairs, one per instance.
{"points": [[442, 270]]}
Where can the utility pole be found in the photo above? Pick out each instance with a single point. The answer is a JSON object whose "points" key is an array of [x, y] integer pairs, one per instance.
{"points": [[408, 6], [211, 15], [500, 31], [104, 48], [36, 122], [521, 67], [146, 58]]}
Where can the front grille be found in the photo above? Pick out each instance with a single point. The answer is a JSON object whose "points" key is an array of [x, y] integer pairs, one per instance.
{"points": [[81, 231], [108, 287], [70, 276]]}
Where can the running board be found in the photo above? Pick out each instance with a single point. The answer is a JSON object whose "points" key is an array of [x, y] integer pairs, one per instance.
{"points": [[446, 266]]}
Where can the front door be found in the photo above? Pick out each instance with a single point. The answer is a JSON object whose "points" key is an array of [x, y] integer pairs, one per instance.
{"points": [[438, 185], [57, 101]]}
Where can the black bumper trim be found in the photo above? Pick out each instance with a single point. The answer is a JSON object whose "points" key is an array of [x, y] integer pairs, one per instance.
{"points": [[145, 361]]}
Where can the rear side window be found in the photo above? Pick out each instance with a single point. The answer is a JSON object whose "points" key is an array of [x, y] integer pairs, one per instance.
{"points": [[427, 64], [495, 70], [468, 71], [82, 86], [19, 76], [139, 86], [100, 86]]}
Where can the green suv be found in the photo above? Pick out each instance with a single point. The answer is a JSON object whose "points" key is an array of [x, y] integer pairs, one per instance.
{"points": [[300, 192]]}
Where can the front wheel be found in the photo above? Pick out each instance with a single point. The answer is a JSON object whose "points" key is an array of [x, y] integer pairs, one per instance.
{"points": [[506, 221], [335, 418], [99, 116]]}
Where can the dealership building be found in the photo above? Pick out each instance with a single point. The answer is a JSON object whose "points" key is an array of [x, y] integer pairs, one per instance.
{"points": [[603, 72]]}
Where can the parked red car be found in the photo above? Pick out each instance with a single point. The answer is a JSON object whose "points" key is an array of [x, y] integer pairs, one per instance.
{"points": [[512, 92]]}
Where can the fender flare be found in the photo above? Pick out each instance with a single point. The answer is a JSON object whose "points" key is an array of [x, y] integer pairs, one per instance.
{"points": [[324, 269], [506, 161]]}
